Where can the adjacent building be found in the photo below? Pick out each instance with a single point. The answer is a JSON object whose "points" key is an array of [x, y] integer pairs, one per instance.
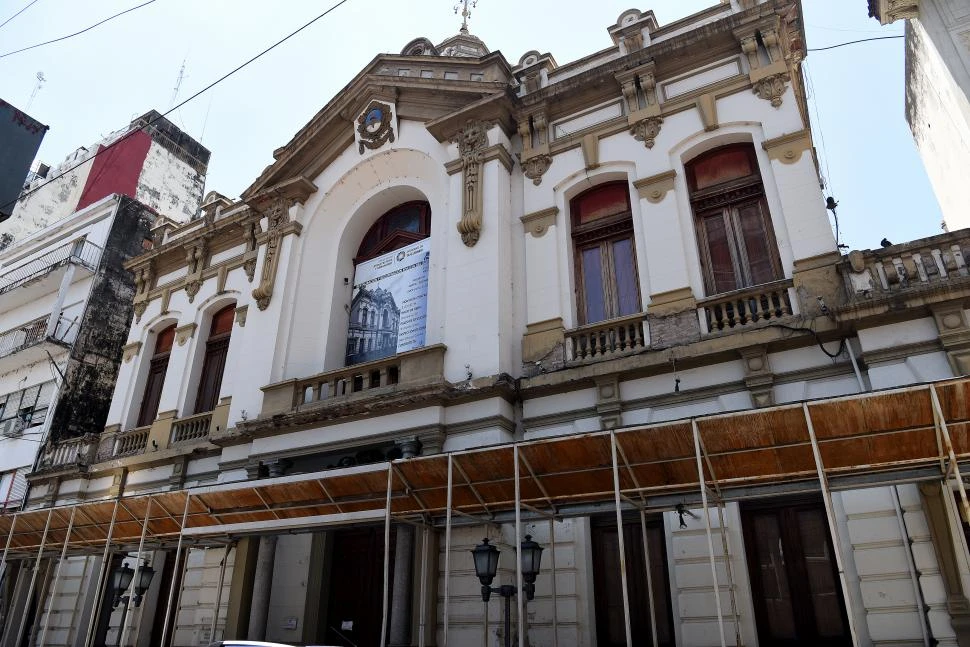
{"points": [[937, 93], [596, 304], [21, 135]]}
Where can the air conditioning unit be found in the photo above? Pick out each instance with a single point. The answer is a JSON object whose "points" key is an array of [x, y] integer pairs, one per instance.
{"points": [[12, 428]]}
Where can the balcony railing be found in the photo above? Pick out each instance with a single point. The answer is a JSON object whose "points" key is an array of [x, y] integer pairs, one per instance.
{"points": [[81, 252], [68, 453], [606, 339], [192, 428], [927, 262], [35, 332], [746, 308], [412, 368], [133, 441]]}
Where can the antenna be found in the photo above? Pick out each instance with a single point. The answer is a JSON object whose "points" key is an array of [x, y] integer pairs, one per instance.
{"points": [[40, 83], [465, 13], [178, 85]]}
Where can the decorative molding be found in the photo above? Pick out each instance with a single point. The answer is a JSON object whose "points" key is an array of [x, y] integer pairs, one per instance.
{"points": [[772, 88], [591, 151], [185, 333], [646, 130], [192, 287], [535, 167], [758, 376], [241, 313], [375, 127], [538, 222], [655, 188], [472, 141], [788, 149], [140, 307], [130, 351], [707, 106], [892, 10]]}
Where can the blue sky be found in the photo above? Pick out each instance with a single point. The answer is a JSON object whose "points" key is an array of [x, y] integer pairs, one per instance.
{"points": [[98, 81]]}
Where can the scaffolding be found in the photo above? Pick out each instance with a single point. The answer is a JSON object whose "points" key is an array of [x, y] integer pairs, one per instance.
{"points": [[904, 435]]}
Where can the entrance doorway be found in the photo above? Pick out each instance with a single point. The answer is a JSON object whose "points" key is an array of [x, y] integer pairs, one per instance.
{"points": [[355, 606], [794, 581]]}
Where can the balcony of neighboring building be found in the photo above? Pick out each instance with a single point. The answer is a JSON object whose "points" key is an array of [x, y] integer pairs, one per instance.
{"points": [[44, 274], [31, 342]]}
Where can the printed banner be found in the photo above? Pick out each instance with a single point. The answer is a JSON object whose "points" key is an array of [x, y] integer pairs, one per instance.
{"points": [[389, 310]]}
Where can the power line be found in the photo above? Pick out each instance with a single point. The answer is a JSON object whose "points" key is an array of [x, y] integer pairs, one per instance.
{"points": [[18, 13], [853, 42], [177, 106], [77, 33]]}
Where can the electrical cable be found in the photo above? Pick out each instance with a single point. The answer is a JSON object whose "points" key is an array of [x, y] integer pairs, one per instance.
{"points": [[853, 42], [77, 33], [173, 108], [17, 14], [815, 335]]}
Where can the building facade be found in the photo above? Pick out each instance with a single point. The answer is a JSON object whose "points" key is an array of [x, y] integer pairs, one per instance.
{"points": [[621, 326], [937, 93]]}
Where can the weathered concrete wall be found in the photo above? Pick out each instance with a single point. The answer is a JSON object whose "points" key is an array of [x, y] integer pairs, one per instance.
{"points": [[93, 365]]}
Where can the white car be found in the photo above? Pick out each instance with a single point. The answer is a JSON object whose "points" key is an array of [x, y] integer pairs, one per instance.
{"points": [[246, 643]]}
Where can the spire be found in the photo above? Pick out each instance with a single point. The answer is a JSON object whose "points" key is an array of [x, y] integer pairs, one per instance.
{"points": [[465, 13]]}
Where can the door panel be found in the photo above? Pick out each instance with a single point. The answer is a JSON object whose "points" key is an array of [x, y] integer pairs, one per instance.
{"points": [[355, 607]]}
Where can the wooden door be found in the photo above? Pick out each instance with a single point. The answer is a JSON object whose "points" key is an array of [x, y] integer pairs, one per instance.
{"points": [[355, 606], [795, 585]]}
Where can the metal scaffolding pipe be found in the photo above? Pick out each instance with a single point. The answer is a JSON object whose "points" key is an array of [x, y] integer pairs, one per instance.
{"points": [[33, 578], [833, 527], [105, 564], [725, 545], [520, 597], [222, 579], [948, 448], [57, 577], [125, 624], [555, 605], [646, 560], [707, 525], [422, 620], [448, 548], [175, 575], [619, 536], [387, 553], [6, 548]]}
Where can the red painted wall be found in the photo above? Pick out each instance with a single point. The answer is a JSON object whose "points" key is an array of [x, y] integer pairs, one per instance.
{"points": [[117, 169]]}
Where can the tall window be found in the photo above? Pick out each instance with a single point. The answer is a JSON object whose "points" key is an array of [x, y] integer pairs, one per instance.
{"points": [[734, 233], [606, 268], [157, 367], [216, 349], [404, 224]]}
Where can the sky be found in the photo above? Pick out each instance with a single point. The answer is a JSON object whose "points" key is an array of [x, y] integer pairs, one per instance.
{"points": [[98, 81]]}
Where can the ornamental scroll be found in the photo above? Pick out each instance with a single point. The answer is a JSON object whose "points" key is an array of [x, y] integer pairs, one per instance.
{"points": [[472, 141]]}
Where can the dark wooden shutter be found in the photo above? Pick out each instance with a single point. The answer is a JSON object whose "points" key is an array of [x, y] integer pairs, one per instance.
{"points": [[212, 369], [153, 390]]}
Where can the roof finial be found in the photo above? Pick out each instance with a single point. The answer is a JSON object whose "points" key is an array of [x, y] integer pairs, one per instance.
{"points": [[465, 13]]}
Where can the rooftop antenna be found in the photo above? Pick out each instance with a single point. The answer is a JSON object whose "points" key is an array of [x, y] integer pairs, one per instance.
{"points": [[178, 85], [40, 83], [465, 13]]}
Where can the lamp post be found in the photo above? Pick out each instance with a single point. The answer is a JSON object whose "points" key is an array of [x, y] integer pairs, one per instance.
{"points": [[486, 556], [121, 579]]}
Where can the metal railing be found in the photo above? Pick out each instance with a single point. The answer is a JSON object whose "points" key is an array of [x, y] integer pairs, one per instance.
{"points": [[82, 252], [191, 428], [747, 307], [927, 262], [35, 332], [606, 339]]}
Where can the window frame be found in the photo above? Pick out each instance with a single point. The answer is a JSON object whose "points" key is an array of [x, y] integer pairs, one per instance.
{"points": [[157, 370], [214, 359], [602, 233], [725, 200]]}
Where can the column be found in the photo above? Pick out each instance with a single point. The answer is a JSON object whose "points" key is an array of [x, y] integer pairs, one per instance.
{"points": [[262, 587], [400, 630]]}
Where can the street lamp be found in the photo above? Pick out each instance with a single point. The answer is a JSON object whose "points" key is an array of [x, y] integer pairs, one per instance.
{"points": [[145, 575], [486, 555], [120, 581]]}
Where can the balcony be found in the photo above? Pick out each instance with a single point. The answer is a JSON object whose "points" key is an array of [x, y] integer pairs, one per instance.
{"points": [[43, 275], [69, 454], [747, 308], [193, 428], [938, 263], [606, 340], [30, 341]]}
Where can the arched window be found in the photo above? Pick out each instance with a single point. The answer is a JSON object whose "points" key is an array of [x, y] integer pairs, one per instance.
{"points": [[157, 367], [404, 224], [605, 257], [734, 234], [214, 365]]}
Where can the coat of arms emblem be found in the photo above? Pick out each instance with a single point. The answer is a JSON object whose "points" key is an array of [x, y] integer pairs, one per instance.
{"points": [[374, 126]]}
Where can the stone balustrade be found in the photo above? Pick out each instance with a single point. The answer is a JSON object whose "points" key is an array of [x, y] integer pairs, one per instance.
{"points": [[606, 339], [925, 263], [745, 308], [69, 453], [408, 369], [133, 441], [192, 428]]}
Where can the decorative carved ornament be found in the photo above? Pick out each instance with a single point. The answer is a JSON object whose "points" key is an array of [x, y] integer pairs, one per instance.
{"points": [[374, 126], [130, 351], [472, 141], [772, 88], [241, 314], [655, 188], [893, 10], [788, 149], [646, 130], [535, 167], [538, 222], [185, 333], [140, 307], [192, 288]]}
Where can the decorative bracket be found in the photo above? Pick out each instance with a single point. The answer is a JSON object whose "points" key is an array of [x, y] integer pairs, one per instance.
{"points": [[472, 141]]}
